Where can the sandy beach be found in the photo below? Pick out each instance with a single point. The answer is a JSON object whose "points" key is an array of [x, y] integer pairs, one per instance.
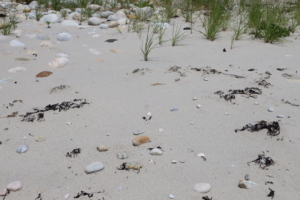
{"points": [[118, 99]]}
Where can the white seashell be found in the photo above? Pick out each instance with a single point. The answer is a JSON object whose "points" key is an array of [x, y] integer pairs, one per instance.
{"points": [[17, 69], [156, 151], [69, 123], [256, 103], [195, 98], [160, 130], [205, 79], [107, 134], [122, 155], [22, 149], [66, 196], [14, 186], [59, 62], [226, 113], [200, 155], [171, 196], [198, 105], [191, 123], [271, 109], [102, 148], [202, 187], [174, 161], [62, 55], [94, 51], [149, 113], [46, 44], [40, 138]]}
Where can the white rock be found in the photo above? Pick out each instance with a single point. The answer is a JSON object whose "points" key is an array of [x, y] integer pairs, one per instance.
{"points": [[69, 23], [103, 26], [46, 44], [94, 7], [106, 14], [198, 105], [195, 98], [256, 103], [174, 161], [138, 132], [66, 196], [156, 151], [94, 21], [53, 18], [20, 7], [118, 15], [246, 184], [33, 4], [14, 186], [202, 187], [94, 51], [160, 130], [145, 12], [17, 69], [122, 155], [113, 24], [3, 192], [65, 10], [16, 43], [171, 196], [22, 149], [59, 62], [94, 167], [64, 37], [280, 116], [271, 109], [122, 21], [74, 16]]}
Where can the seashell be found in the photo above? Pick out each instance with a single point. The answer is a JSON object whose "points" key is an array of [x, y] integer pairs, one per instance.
{"points": [[116, 51], [256, 103], [271, 109], [113, 24], [171, 196], [102, 148], [100, 60], [22, 149], [64, 37], [46, 44], [226, 113], [40, 138], [14, 186], [3, 192], [96, 35], [205, 79], [32, 51], [141, 140], [17, 69], [149, 113], [122, 155], [198, 105], [66, 196], [43, 74], [174, 161], [69, 123], [59, 62], [22, 59], [138, 132], [201, 155], [94, 51], [246, 184], [156, 151], [191, 123], [195, 98], [202, 187], [160, 130], [133, 165]]}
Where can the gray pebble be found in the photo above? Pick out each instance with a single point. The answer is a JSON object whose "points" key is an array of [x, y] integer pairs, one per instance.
{"points": [[271, 109]]}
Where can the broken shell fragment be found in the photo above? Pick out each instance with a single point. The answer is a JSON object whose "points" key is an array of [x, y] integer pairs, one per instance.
{"points": [[133, 165], [102, 148], [40, 138], [174, 161], [198, 105], [156, 151], [141, 140], [17, 69], [195, 98], [122, 155], [59, 62], [201, 155], [246, 184], [138, 132]]}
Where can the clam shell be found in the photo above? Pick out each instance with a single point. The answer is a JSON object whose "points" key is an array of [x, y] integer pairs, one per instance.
{"points": [[22, 149], [141, 140], [17, 69], [59, 62], [40, 138], [43, 74]]}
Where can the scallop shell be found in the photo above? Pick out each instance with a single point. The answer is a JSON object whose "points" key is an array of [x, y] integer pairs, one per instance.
{"points": [[202, 187], [22, 149], [17, 69], [141, 140], [59, 62], [40, 138]]}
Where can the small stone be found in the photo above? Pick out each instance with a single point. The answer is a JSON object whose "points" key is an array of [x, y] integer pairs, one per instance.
{"points": [[271, 109], [171, 196], [138, 132], [42, 37], [59, 62], [69, 123], [53, 18], [149, 113], [226, 113], [66, 196], [69, 23], [246, 184], [94, 21], [94, 167], [104, 26], [141, 140], [113, 24], [191, 123], [174, 109], [133, 165], [106, 14], [122, 155], [46, 44], [22, 149], [202, 187], [16, 43], [40, 138], [280, 116], [102, 148], [14, 186], [160, 130], [156, 151], [64, 37], [3, 192], [198, 106], [116, 51], [205, 79], [256, 103], [195, 98], [174, 161]]}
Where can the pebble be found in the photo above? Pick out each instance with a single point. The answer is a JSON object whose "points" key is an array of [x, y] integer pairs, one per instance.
{"points": [[202, 155], [69, 23], [122, 155], [205, 79], [174, 109], [202, 187], [3, 192], [64, 37], [138, 132], [94, 21], [256, 103], [280, 116], [52, 18], [14, 186], [103, 26], [17, 69], [66, 196], [106, 14], [94, 51], [16, 43], [113, 24], [149, 113], [116, 51], [226, 113], [42, 37], [46, 44], [59, 62], [160, 130], [94, 167], [171, 196], [271, 109], [141, 140], [40, 138], [174, 161], [246, 184], [102, 148], [156, 151], [133, 165], [198, 105], [22, 149], [191, 123]]}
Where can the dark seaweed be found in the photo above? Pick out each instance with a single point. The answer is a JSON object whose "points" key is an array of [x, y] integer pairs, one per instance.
{"points": [[271, 194], [263, 161], [272, 127]]}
